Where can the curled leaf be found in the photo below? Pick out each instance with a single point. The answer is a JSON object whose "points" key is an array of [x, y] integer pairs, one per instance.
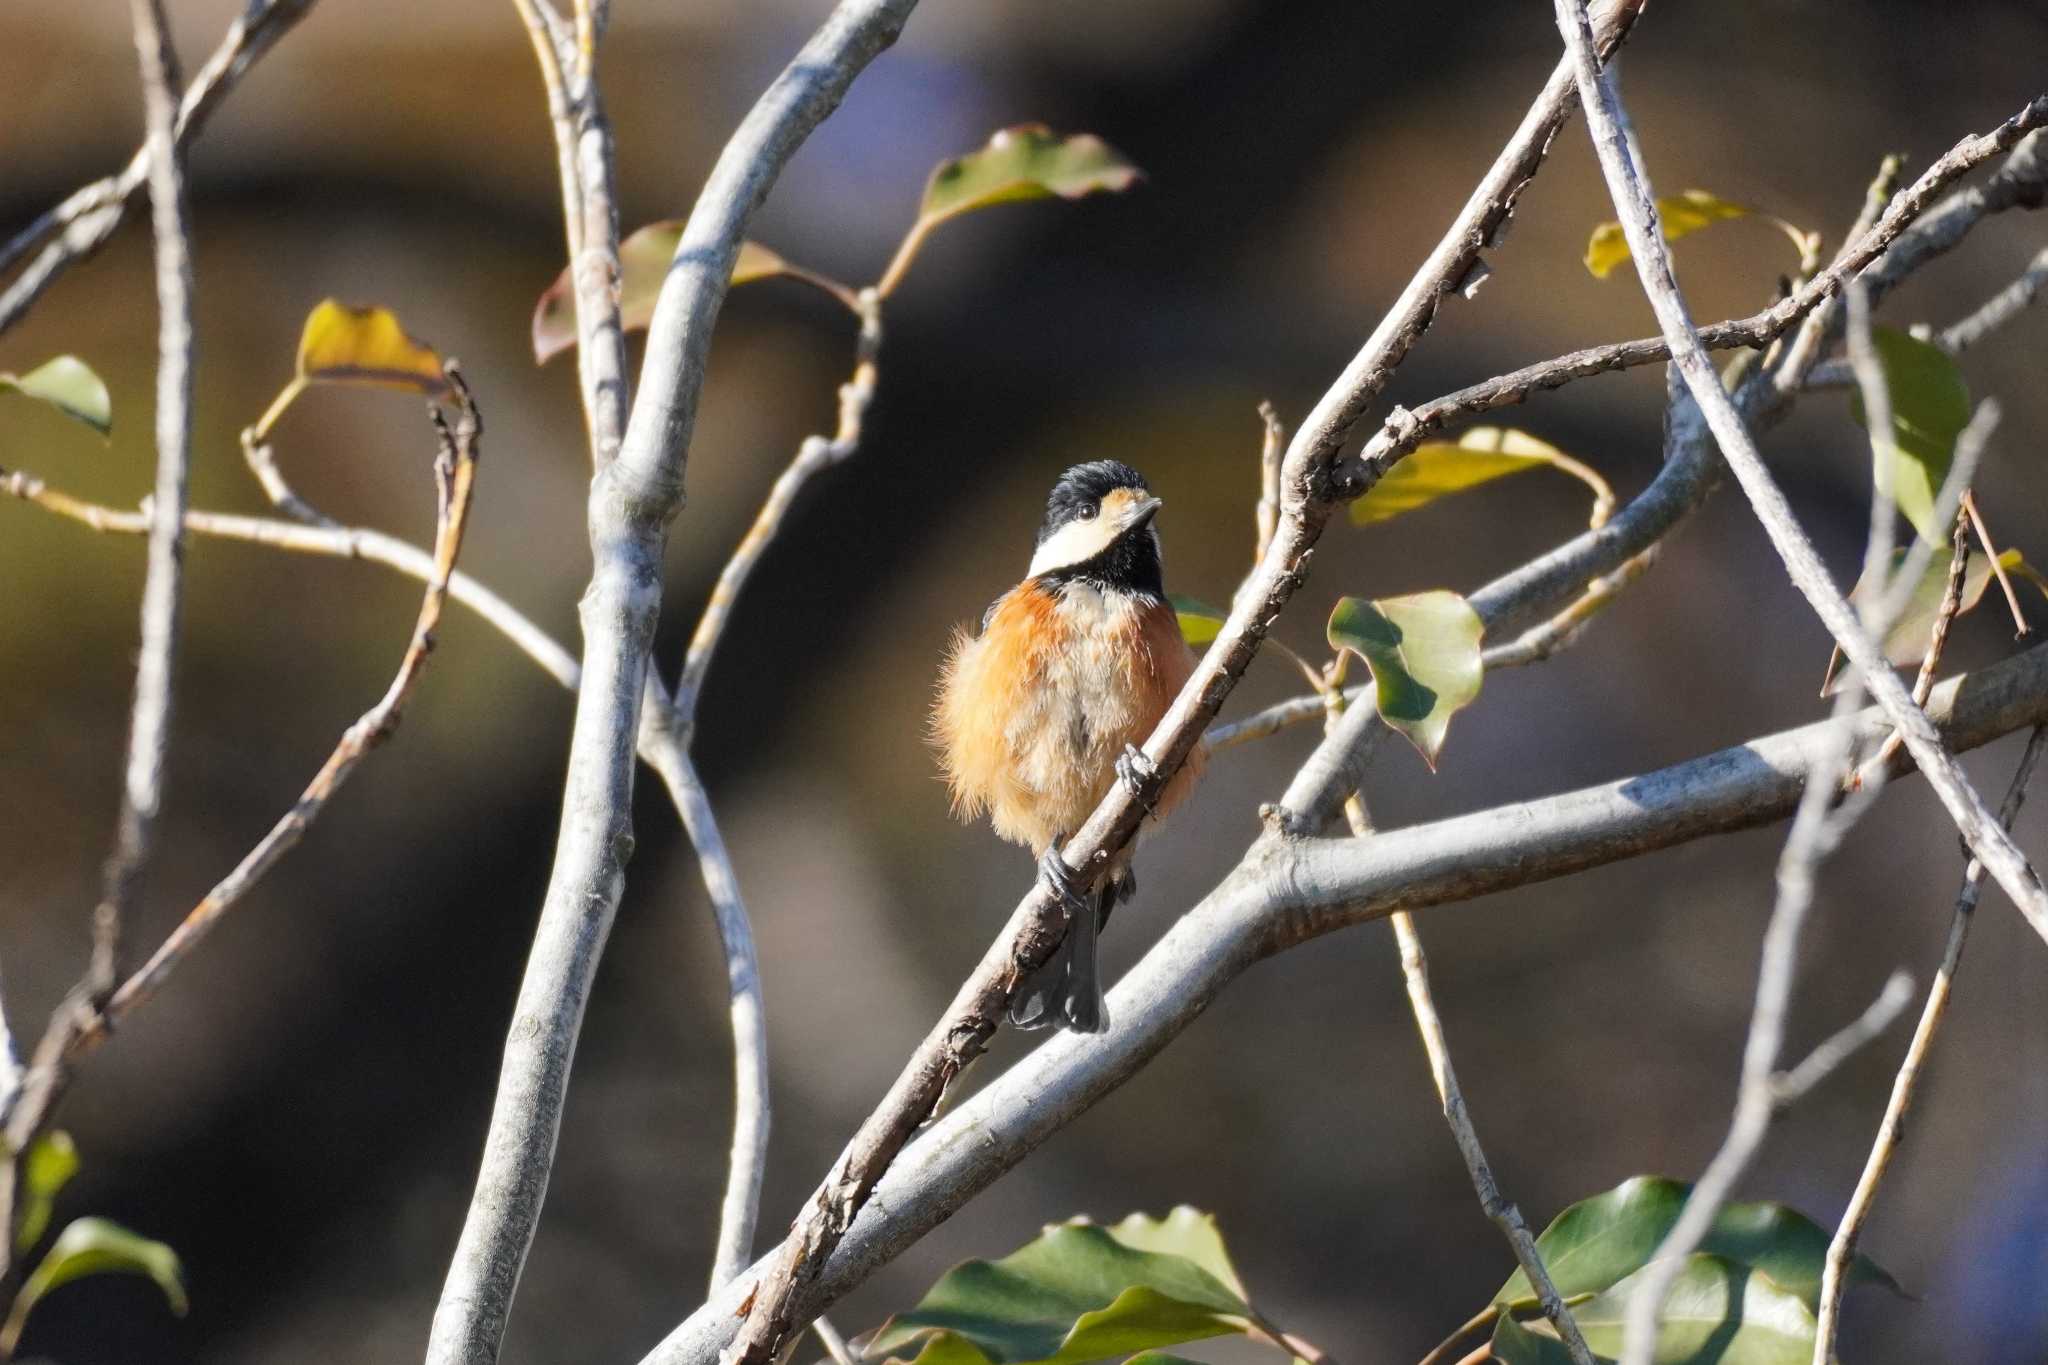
{"points": [[1199, 622], [1930, 408], [1423, 650], [69, 385], [367, 346], [1028, 161], [94, 1246], [1437, 469], [644, 259], [1679, 215]]}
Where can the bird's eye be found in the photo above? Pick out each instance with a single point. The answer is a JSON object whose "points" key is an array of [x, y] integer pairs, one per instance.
{"points": [[1088, 511]]}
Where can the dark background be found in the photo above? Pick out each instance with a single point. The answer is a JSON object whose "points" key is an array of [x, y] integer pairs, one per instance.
{"points": [[301, 1110]]}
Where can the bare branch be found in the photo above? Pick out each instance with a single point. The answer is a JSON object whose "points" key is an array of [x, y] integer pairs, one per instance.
{"points": [[86, 221], [1789, 1087], [149, 725], [1291, 891], [632, 500], [667, 753], [1892, 1127], [2001, 308], [1266, 516]]}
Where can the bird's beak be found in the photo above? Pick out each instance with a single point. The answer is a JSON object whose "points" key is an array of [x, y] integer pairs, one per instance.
{"points": [[1141, 513]]}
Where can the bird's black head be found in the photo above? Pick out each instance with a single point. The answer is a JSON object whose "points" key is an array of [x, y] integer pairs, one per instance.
{"points": [[1098, 530]]}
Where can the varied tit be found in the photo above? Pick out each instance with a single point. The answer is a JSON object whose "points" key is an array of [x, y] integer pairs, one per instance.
{"points": [[1043, 709]]}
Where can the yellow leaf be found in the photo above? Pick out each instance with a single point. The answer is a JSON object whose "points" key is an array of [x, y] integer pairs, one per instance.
{"points": [[343, 345], [1680, 215]]}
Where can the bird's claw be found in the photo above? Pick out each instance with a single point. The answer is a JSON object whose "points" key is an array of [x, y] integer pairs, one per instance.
{"points": [[1062, 880], [1137, 772]]}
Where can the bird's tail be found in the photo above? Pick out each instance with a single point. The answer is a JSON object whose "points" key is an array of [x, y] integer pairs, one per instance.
{"points": [[1066, 992]]}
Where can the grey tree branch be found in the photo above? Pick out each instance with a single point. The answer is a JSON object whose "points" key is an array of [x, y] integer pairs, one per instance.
{"points": [[149, 726], [1308, 494], [1291, 891], [86, 220], [1892, 1127], [633, 498], [668, 754]]}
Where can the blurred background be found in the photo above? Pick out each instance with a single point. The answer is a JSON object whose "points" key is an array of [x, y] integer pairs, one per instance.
{"points": [[300, 1112]]}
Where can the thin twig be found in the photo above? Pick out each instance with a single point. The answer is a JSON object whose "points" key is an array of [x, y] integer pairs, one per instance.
{"points": [[86, 220], [1451, 1098], [835, 1344], [1789, 1087], [59, 1053], [632, 500], [667, 752], [1274, 445], [1937, 639], [1891, 1129], [815, 453], [2012, 598], [2001, 308]]}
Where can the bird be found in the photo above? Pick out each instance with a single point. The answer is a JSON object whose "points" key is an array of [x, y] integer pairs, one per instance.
{"points": [[1042, 708]]}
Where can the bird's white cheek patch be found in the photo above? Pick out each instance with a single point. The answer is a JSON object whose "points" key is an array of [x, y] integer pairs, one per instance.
{"points": [[1074, 543]]}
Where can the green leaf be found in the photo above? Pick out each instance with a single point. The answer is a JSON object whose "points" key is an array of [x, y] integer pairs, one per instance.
{"points": [[1514, 1344], [1680, 216], [1719, 1312], [1436, 469], [1185, 1231], [47, 1169], [1423, 651], [1029, 161], [1930, 408], [644, 260], [95, 1246], [1199, 624], [1598, 1241], [1075, 1294], [67, 384]]}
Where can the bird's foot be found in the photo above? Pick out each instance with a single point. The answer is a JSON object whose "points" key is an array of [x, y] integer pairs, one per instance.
{"points": [[1062, 880], [1137, 772]]}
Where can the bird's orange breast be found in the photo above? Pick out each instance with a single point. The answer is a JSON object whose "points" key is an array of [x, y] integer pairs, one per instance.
{"points": [[1033, 713]]}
